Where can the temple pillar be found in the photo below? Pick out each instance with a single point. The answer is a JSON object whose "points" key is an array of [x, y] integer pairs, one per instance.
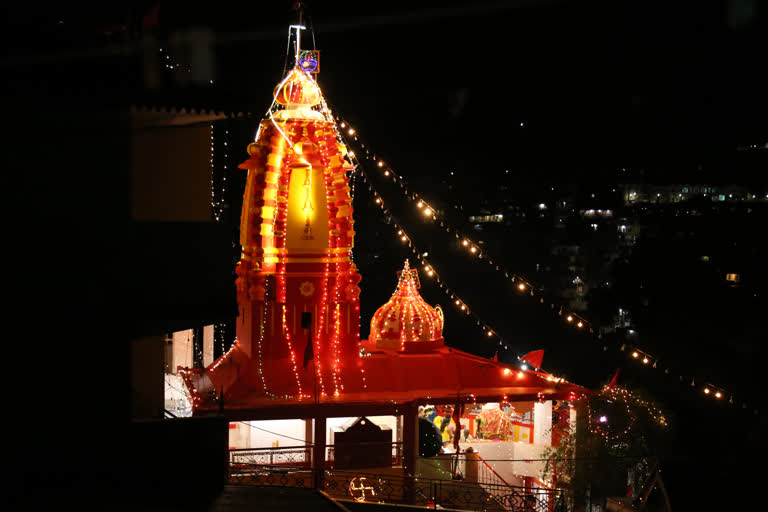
{"points": [[410, 438], [399, 435], [318, 450], [572, 417], [472, 465], [308, 441], [542, 423], [580, 496]]}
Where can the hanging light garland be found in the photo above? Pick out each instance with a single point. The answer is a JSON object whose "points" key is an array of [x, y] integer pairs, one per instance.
{"points": [[708, 390], [603, 426], [170, 63], [218, 197], [473, 248], [431, 272], [218, 336]]}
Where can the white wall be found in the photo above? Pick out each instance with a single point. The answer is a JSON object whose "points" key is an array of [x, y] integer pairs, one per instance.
{"points": [[207, 345], [181, 355], [542, 423], [265, 433], [239, 434]]}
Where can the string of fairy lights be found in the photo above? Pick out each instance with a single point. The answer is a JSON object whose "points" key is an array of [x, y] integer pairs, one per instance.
{"points": [[617, 396], [219, 335], [428, 267], [218, 194], [172, 65], [474, 249], [431, 271]]}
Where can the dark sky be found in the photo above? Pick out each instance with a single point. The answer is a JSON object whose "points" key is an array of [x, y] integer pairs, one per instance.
{"points": [[668, 88], [673, 89]]}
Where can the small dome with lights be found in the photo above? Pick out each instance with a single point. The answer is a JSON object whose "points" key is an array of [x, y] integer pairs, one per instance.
{"points": [[406, 322]]}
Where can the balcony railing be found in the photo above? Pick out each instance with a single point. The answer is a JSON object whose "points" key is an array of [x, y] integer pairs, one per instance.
{"points": [[487, 475], [397, 489], [390, 454], [293, 456]]}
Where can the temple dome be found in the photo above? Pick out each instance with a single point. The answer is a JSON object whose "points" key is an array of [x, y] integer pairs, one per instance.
{"points": [[298, 89], [406, 322], [298, 96]]}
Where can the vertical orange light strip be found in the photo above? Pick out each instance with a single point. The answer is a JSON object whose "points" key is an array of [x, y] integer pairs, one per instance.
{"points": [[336, 332], [287, 336], [317, 340], [260, 339]]}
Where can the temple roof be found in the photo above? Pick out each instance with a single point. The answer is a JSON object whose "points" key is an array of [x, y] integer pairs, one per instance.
{"points": [[444, 375]]}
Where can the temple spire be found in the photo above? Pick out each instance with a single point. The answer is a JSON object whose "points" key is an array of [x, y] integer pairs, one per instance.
{"points": [[408, 280], [298, 6]]}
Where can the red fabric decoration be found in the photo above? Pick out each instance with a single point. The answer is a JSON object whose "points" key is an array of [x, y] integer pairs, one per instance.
{"points": [[612, 384], [533, 358]]}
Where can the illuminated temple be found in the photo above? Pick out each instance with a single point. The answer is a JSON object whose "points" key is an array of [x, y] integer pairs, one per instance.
{"points": [[298, 355]]}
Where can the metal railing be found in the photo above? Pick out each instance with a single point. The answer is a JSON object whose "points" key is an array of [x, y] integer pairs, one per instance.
{"points": [[398, 489], [389, 454], [294, 456], [487, 475]]}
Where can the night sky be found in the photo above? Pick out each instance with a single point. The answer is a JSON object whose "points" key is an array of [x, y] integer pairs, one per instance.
{"points": [[671, 89], [667, 92]]}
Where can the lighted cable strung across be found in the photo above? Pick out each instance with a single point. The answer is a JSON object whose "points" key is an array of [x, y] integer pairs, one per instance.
{"points": [[522, 285], [432, 271], [472, 247]]}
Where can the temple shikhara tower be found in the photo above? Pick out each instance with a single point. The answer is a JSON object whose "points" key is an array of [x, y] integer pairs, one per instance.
{"points": [[296, 233]]}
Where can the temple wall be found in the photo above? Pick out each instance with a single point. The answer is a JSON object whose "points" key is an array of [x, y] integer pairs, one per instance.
{"points": [[207, 345], [269, 433], [181, 354], [260, 438]]}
